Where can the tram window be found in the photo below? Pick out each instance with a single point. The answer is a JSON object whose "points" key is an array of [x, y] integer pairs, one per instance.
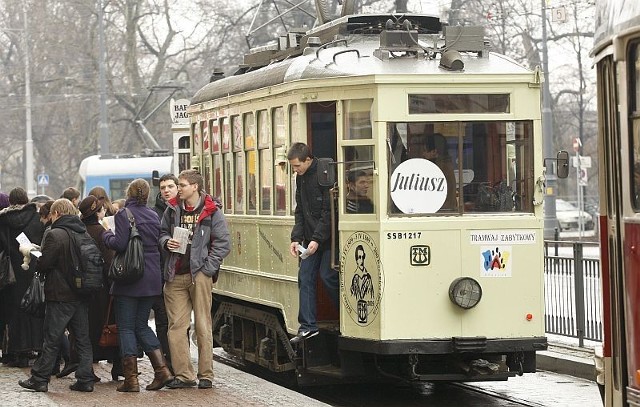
{"points": [[279, 133], [449, 103], [228, 183], [280, 178], [205, 136], [494, 160], [266, 173], [263, 129], [217, 175], [197, 147], [239, 195], [225, 134], [294, 124], [252, 163], [236, 133], [358, 119], [280, 163], [215, 136], [359, 180]]}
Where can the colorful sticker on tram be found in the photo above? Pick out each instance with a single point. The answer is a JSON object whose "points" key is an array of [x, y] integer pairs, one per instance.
{"points": [[361, 278], [496, 261]]}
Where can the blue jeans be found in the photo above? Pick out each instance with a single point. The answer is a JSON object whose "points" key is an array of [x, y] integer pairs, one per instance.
{"points": [[132, 318], [307, 276], [57, 316]]}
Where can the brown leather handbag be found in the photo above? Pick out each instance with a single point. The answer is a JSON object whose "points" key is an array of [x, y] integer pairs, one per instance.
{"points": [[109, 336]]}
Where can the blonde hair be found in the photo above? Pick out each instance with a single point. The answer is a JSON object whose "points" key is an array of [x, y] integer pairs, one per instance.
{"points": [[63, 206], [139, 190]]}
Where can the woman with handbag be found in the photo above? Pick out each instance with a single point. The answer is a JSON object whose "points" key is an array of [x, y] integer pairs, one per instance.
{"points": [[92, 211], [133, 300]]}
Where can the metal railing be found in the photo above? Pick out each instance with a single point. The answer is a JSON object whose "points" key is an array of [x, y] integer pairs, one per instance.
{"points": [[572, 290]]}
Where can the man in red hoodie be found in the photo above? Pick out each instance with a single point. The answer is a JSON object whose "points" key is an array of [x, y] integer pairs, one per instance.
{"points": [[190, 274]]}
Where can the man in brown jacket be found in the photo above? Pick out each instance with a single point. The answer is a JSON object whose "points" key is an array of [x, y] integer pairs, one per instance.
{"points": [[63, 306]]}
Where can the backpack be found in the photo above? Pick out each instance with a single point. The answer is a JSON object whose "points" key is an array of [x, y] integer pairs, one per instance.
{"points": [[86, 275]]}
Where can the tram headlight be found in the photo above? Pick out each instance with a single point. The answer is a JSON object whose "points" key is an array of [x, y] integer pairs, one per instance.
{"points": [[465, 292]]}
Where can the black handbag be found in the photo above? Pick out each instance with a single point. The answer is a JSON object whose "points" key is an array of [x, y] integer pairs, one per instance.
{"points": [[33, 299], [7, 276], [128, 267]]}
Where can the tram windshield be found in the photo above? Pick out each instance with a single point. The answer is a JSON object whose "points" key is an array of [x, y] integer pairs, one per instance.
{"points": [[460, 167]]}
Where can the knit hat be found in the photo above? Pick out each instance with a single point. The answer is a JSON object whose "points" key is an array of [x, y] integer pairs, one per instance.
{"points": [[90, 206]]}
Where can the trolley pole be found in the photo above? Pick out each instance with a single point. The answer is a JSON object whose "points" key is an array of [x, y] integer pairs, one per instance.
{"points": [[550, 219]]}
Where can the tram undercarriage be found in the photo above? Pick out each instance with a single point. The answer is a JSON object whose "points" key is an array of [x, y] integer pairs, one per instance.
{"points": [[256, 334]]}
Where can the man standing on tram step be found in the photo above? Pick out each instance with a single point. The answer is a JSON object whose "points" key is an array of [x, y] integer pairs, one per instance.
{"points": [[168, 190], [63, 306], [312, 229], [189, 277]]}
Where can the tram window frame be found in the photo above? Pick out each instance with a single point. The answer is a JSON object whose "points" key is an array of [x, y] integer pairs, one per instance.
{"points": [[634, 122], [506, 187], [251, 163], [215, 136], [462, 103]]}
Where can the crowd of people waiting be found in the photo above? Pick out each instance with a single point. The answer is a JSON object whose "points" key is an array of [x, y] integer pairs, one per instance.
{"points": [[175, 284]]}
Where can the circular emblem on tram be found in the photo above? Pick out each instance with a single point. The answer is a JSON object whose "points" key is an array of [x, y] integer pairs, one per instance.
{"points": [[418, 186], [362, 282]]}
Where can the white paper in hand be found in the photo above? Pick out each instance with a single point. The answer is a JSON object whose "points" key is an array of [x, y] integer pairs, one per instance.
{"points": [[182, 236], [303, 252], [109, 222]]}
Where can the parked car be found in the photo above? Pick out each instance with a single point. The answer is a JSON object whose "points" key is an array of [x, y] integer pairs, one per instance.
{"points": [[569, 217]]}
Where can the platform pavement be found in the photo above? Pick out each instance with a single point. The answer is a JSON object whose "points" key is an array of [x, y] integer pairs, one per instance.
{"points": [[231, 388], [566, 357]]}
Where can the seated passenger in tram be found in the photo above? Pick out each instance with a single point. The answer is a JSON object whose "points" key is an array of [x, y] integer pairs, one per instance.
{"points": [[359, 186], [436, 151]]}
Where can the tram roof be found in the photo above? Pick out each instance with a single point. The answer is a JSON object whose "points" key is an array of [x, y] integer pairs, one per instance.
{"points": [[97, 165], [614, 17], [354, 54]]}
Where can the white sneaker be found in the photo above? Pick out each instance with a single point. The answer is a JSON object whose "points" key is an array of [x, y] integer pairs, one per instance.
{"points": [[302, 336]]}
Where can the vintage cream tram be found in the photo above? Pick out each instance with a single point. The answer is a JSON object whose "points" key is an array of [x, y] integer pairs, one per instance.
{"points": [[617, 59], [444, 139]]}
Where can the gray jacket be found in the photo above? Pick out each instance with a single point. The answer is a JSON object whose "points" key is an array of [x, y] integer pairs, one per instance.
{"points": [[210, 244]]}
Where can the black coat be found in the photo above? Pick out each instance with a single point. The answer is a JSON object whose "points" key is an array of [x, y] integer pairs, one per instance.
{"points": [[55, 262], [25, 331], [313, 210]]}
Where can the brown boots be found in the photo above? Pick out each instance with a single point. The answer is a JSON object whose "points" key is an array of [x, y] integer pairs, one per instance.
{"points": [[162, 372], [130, 370]]}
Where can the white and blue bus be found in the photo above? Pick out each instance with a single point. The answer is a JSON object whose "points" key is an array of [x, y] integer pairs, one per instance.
{"points": [[116, 172]]}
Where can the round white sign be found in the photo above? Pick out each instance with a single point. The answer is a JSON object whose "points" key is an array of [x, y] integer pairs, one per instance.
{"points": [[418, 186]]}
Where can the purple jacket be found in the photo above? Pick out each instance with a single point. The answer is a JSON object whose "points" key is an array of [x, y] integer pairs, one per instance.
{"points": [[148, 226]]}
